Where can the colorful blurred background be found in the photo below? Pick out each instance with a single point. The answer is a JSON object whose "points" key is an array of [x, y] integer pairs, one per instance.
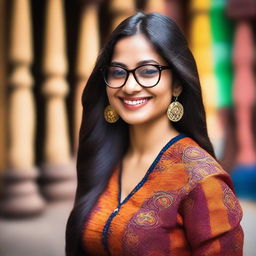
{"points": [[47, 51]]}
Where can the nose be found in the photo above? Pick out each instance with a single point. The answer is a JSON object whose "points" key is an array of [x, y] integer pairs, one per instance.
{"points": [[131, 86]]}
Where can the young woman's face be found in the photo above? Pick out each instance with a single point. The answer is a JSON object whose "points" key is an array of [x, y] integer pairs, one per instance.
{"points": [[136, 104]]}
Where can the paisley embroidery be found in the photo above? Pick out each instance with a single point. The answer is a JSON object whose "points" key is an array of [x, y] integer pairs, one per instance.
{"points": [[193, 153], [232, 205], [201, 170], [198, 164], [148, 216], [163, 200], [148, 219], [229, 199]]}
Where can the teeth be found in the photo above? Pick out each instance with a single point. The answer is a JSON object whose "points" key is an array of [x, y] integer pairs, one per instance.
{"points": [[134, 102]]}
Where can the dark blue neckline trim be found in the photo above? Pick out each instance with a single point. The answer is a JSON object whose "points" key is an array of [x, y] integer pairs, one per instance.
{"points": [[151, 168]]}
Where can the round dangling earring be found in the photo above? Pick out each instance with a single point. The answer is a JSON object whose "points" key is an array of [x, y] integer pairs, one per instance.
{"points": [[110, 114], [175, 111]]}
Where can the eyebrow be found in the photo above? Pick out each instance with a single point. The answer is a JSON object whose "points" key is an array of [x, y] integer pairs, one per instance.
{"points": [[138, 64]]}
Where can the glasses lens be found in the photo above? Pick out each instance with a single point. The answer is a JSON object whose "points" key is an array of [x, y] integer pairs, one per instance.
{"points": [[147, 75], [115, 76]]}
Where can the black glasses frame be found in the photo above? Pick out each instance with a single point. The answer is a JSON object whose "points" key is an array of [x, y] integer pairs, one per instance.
{"points": [[128, 71]]}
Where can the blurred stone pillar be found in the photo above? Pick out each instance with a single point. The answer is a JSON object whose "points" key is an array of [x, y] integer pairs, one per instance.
{"points": [[58, 170], [21, 196], [244, 174], [121, 10], [3, 87], [201, 46], [156, 6], [222, 44], [174, 9], [88, 48], [244, 91]]}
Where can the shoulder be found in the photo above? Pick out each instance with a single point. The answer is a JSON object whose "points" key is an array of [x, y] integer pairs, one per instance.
{"points": [[197, 163]]}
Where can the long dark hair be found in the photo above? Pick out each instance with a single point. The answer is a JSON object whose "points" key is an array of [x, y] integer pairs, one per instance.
{"points": [[103, 145]]}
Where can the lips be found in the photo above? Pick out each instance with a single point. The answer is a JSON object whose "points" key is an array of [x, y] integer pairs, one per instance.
{"points": [[134, 102]]}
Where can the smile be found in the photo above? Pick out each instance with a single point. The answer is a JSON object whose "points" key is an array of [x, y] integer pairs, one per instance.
{"points": [[134, 103]]}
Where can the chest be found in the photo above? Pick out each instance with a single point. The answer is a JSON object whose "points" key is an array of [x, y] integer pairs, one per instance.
{"points": [[131, 175], [147, 215]]}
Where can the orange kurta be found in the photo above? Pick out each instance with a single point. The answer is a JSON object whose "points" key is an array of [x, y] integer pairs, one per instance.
{"points": [[184, 205]]}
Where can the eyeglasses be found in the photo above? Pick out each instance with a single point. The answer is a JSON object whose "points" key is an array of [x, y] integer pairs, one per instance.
{"points": [[147, 75]]}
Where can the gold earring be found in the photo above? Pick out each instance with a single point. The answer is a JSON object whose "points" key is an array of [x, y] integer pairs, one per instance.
{"points": [[110, 114], [175, 111]]}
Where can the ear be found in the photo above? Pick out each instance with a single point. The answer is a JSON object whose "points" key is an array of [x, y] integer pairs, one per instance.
{"points": [[177, 89]]}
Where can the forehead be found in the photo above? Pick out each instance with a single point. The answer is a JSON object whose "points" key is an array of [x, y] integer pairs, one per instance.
{"points": [[134, 49]]}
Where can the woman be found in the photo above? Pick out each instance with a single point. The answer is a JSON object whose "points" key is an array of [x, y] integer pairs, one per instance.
{"points": [[148, 181]]}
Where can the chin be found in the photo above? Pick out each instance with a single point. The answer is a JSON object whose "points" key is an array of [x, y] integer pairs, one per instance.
{"points": [[134, 120], [138, 120]]}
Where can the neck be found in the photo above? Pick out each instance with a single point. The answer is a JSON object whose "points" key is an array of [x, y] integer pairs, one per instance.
{"points": [[150, 138]]}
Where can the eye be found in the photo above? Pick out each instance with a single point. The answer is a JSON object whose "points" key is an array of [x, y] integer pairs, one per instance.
{"points": [[116, 73], [147, 71]]}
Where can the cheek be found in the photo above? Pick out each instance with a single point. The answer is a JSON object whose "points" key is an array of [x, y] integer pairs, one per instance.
{"points": [[163, 94], [163, 100], [110, 94]]}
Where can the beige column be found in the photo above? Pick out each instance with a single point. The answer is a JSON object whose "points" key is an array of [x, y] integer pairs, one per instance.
{"points": [[156, 6], [58, 170], [88, 48], [3, 87], [120, 10], [21, 195]]}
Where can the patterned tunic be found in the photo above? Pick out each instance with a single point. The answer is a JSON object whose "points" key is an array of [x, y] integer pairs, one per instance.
{"points": [[184, 205]]}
